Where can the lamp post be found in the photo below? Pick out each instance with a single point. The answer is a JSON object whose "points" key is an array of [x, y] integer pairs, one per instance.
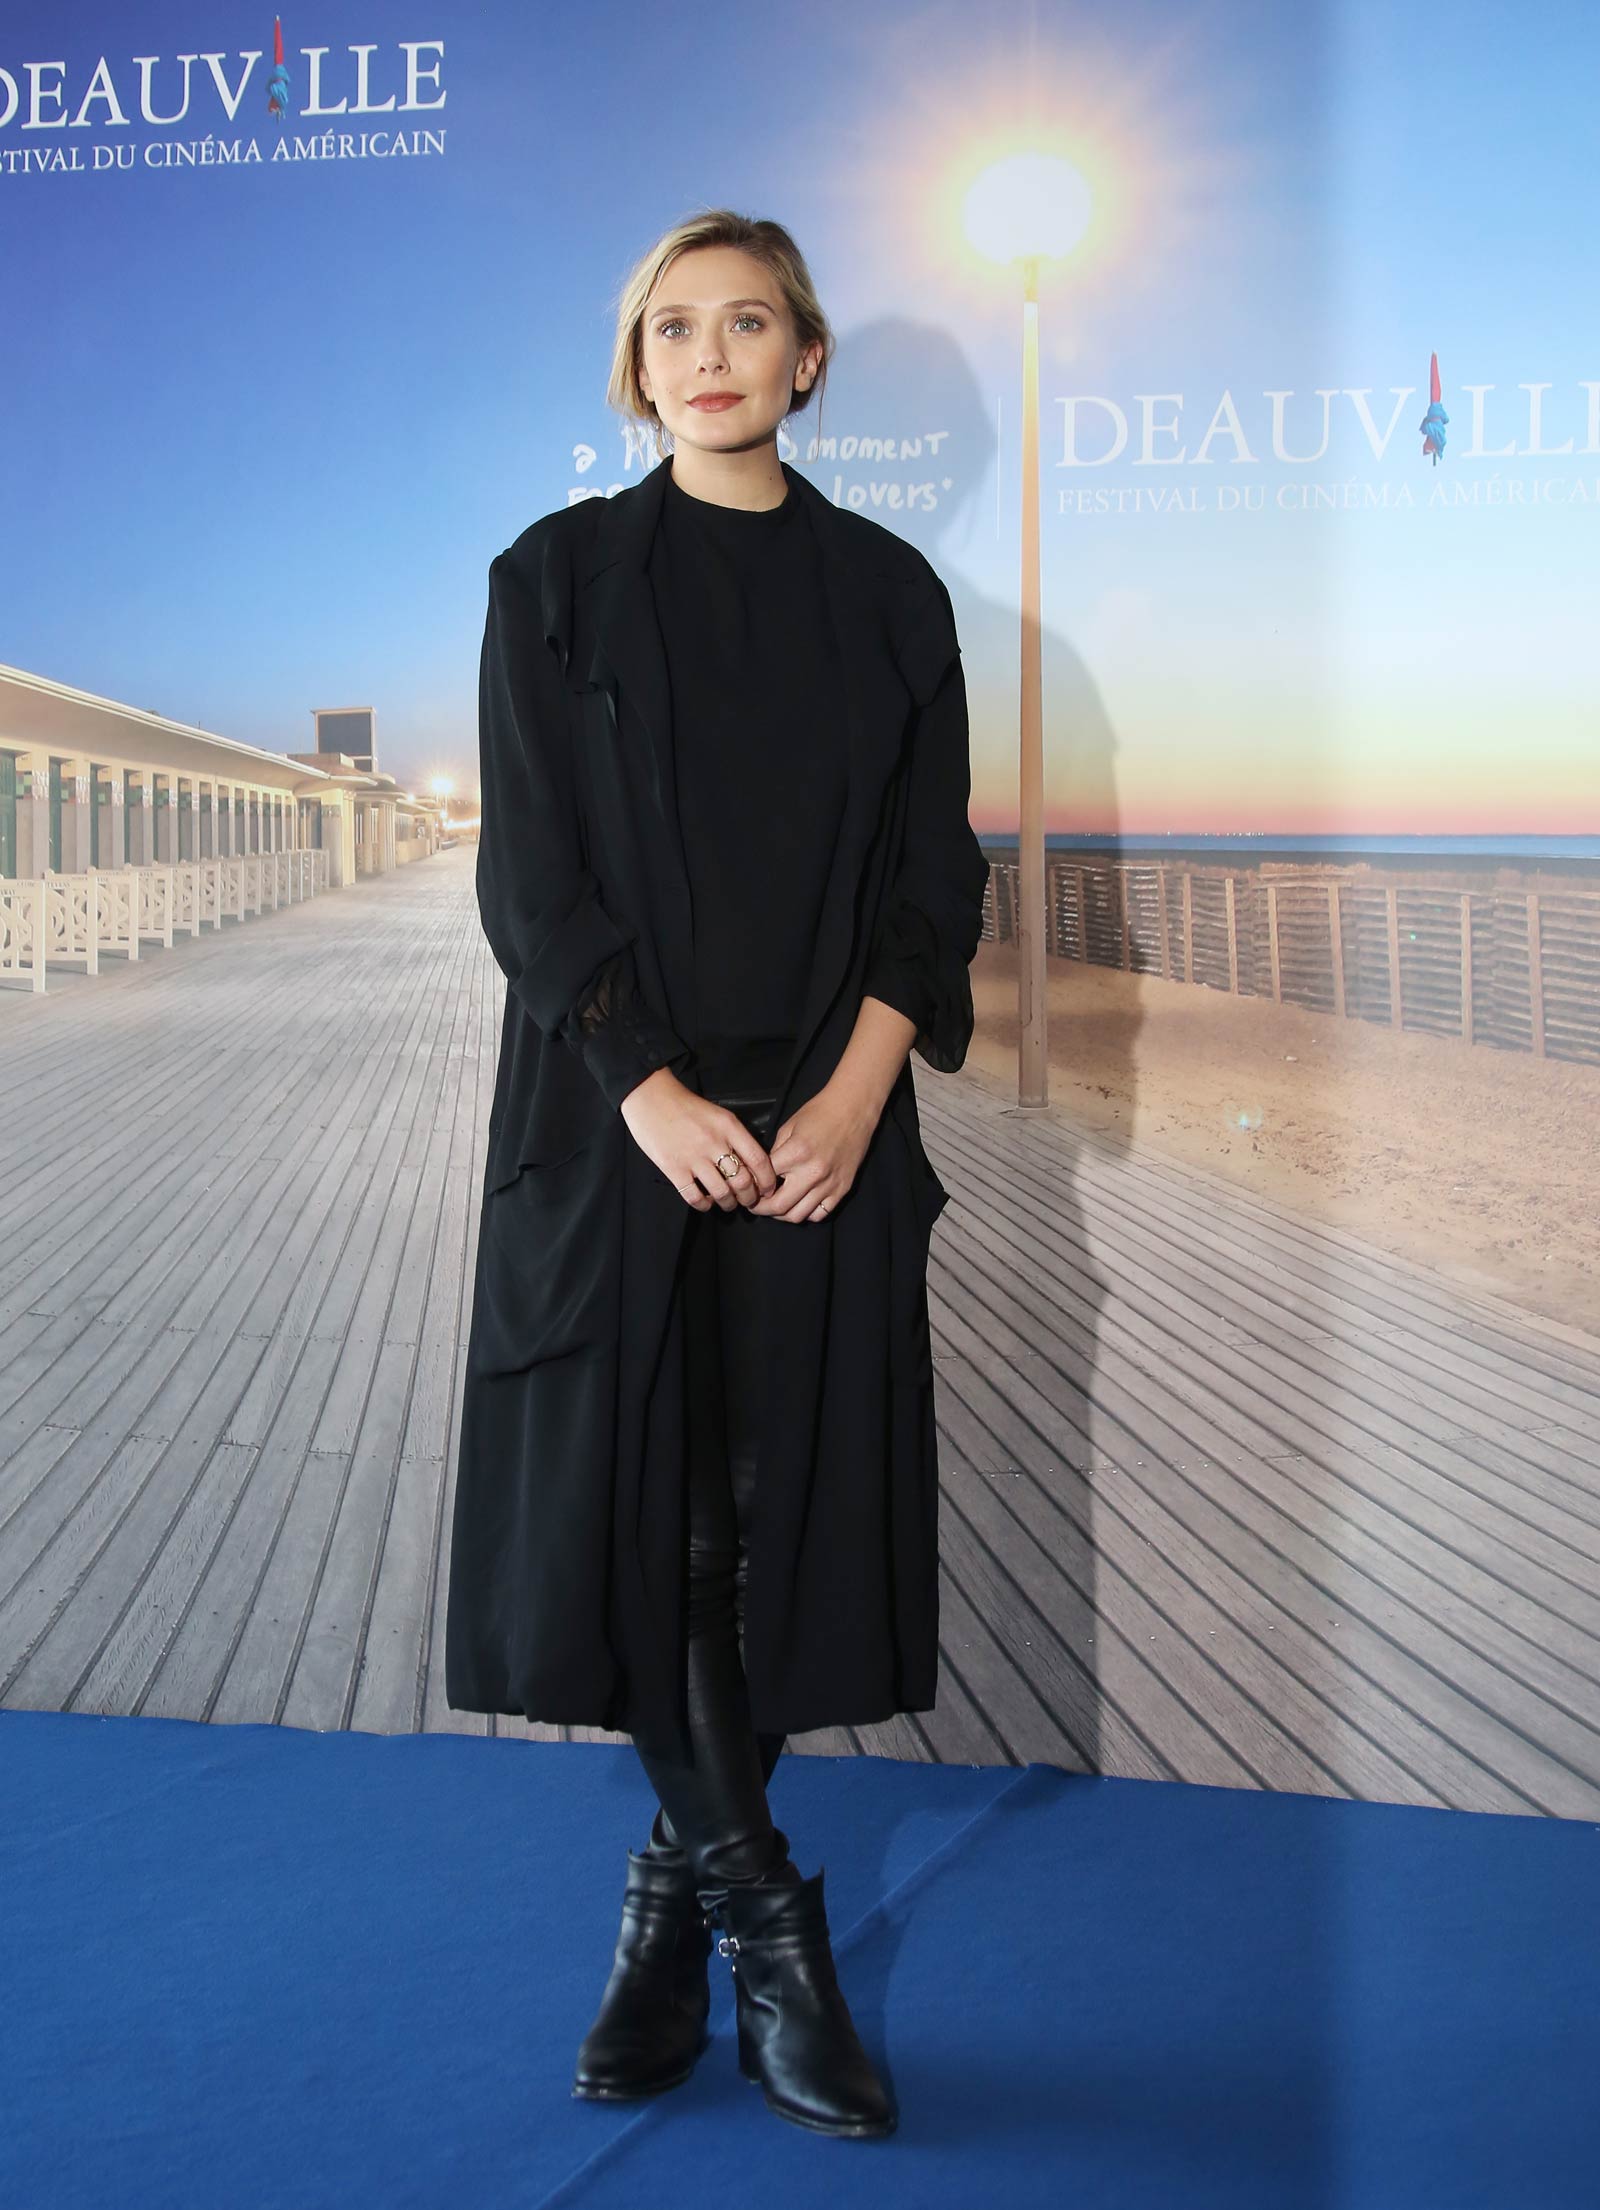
{"points": [[1029, 208]]}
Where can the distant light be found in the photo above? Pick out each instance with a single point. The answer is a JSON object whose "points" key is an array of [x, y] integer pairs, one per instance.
{"points": [[1030, 205]]}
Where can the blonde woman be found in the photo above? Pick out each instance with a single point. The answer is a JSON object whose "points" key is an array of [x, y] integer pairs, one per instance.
{"points": [[727, 870]]}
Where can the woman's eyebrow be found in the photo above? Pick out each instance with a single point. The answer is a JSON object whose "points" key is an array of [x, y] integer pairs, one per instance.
{"points": [[674, 309]]}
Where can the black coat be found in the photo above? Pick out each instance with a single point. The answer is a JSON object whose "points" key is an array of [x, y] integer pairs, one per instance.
{"points": [[566, 1573]]}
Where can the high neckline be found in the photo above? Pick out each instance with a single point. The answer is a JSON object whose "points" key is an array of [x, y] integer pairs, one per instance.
{"points": [[732, 518]]}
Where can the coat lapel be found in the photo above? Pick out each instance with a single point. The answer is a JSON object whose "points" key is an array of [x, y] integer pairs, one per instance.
{"points": [[629, 663]]}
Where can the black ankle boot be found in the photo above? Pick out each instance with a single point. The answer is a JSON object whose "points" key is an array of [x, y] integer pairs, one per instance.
{"points": [[651, 2025], [797, 2039]]}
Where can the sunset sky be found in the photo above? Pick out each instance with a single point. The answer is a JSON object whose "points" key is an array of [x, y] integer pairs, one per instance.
{"points": [[271, 422]]}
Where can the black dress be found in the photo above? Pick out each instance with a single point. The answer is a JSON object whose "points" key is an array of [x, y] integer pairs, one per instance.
{"points": [[757, 737], [757, 734]]}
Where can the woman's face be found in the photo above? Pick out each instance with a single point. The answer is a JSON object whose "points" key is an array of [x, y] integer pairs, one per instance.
{"points": [[716, 325]]}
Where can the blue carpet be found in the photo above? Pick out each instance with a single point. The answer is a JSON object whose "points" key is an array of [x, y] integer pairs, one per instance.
{"points": [[249, 1966]]}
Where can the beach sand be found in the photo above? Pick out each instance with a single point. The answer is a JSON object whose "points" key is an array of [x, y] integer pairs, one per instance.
{"points": [[1481, 1164]]}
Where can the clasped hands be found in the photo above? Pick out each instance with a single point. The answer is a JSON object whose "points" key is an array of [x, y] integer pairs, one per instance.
{"points": [[812, 1166]]}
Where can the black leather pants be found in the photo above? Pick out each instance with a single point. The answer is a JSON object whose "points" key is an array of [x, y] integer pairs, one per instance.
{"points": [[714, 1805]]}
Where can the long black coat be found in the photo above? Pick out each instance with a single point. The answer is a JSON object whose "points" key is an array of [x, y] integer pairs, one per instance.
{"points": [[566, 1587]]}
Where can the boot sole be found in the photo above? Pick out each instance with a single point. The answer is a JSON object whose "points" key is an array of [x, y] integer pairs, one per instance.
{"points": [[865, 2130]]}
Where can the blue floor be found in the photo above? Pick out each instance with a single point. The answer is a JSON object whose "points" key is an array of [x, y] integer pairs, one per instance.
{"points": [[247, 1966]]}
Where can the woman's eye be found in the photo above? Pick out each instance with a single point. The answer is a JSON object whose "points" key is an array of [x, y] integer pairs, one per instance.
{"points": [[665, 328]]}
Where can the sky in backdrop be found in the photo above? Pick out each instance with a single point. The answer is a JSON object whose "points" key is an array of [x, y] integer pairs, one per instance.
{"points": [[268, 421]]}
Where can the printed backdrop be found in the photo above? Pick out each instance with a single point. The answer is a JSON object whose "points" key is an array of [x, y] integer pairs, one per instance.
{"points": [[296, 347]]}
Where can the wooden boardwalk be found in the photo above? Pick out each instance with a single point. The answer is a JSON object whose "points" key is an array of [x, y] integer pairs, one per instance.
{"points": [[1228, 1497]]}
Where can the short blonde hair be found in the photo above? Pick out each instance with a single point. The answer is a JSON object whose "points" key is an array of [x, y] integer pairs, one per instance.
{"points": [[767, 242]]}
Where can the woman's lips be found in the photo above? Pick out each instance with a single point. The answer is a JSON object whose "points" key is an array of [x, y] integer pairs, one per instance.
{"points": [[715, 404]]}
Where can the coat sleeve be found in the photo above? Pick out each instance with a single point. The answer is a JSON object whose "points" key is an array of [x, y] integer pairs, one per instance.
{"points": [[570, 963], [932, 918]]}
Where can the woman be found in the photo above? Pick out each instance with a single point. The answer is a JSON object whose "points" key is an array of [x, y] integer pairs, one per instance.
{"points": [[727, 870]]}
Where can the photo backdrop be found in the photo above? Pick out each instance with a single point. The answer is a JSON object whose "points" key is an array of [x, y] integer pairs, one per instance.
{"points": [[297, 346]]}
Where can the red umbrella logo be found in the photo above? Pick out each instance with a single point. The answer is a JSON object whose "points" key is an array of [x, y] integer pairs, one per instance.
{"points": [[278, 82], [1433, 422]]}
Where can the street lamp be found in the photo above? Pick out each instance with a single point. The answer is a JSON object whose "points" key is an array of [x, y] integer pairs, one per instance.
{"points": [[1028, 208]]}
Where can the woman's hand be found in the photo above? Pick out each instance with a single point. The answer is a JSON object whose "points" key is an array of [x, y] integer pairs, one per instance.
{"points": [[684, 1133], [817, 1153]]}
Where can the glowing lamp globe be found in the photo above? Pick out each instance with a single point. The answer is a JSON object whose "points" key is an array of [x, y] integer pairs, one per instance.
{"points": [[1031, 206]]}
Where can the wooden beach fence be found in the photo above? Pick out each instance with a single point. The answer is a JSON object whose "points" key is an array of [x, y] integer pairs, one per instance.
{"points": [[1513, 963]]}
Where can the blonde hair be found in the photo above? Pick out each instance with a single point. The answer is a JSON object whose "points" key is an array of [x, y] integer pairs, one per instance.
{"points": [[767, 242]]}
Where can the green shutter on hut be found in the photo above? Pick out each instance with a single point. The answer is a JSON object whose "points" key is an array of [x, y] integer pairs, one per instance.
{"points": [[8, 814], [100, 790]]}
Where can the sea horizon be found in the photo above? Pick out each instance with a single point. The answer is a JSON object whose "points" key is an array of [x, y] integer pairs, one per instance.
{"points": [[1380, 843]]}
